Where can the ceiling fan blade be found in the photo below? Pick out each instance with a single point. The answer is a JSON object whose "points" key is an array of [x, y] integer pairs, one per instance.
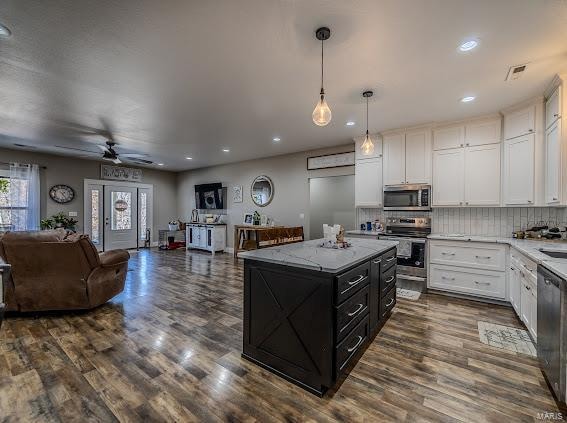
{"points": [[76, 149], [116, 161], [104, 148]]}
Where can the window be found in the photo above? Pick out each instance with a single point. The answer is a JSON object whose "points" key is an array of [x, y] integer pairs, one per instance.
{"points": [[143, 214], [95, 216], [19, 198], [5, 215]]}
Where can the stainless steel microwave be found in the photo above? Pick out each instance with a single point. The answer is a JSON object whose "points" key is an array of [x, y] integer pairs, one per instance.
{"points": [[407, 197]]}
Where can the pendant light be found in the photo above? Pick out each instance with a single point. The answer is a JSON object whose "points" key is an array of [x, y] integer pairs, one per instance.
{"points": [[322, 113], [367, 146]]}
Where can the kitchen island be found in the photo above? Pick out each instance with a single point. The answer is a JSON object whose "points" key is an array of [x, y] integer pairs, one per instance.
{"points": [[310, 312]]}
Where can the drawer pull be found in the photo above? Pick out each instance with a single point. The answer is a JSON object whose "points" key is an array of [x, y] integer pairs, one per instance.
{"points": [[390, 303], [527, 268], [483, 257], [377, 261], [547, 281], [447, 279], [390, 279], [528, 288], [360, 339], [390, 259], [482, 283], [356, 311], [447, 254], [353, 283]]}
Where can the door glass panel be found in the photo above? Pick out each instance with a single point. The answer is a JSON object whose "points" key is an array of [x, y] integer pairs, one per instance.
{"points": [[95, 216], [143, 214], [121, 211]]}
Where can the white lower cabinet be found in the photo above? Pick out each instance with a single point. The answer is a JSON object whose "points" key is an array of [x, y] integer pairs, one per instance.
{"points": [[523, 289], [515, 289], [206, 237], [529, 306], [470, 268]]}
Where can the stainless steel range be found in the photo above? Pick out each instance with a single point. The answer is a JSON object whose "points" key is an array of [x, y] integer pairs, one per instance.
{"points": [[411, 233]]}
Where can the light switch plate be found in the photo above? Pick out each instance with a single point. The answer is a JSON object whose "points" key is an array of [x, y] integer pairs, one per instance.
{"points": [[302, 215], [73, 214]]}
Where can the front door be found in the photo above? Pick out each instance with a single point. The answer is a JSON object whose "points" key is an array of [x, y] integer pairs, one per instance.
{"points": [[120, 217]]}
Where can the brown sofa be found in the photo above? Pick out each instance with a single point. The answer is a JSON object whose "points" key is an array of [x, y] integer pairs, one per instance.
{"points": [[51, 270]]}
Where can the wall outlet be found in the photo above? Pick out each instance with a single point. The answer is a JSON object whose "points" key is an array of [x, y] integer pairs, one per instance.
{"points": [[73, 214], [302, 215]]}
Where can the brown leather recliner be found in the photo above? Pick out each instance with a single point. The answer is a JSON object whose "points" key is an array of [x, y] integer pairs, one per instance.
{"points": [[51, 270]]}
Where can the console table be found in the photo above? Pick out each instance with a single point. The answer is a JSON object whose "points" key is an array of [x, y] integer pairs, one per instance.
{"points": [[265, 236]]}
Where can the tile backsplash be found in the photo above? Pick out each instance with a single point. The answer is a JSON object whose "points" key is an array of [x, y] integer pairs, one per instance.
{"points": [[491, 221]]}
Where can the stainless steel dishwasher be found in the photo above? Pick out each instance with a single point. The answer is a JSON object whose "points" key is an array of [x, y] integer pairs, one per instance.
{"points": [[549, 336]]}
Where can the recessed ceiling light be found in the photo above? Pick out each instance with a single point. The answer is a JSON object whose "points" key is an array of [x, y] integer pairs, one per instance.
{"points": [[277, 139], [4, 31], [468, 45], [350, 123], [226, 150], [467, 99], [160, 164], [189, 158]]}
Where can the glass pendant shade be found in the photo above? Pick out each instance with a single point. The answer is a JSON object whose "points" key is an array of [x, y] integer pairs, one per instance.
{"points": [[367, 146], [322, 113]]}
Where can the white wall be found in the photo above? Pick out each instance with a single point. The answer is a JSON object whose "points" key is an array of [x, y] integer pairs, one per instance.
{"points": [[289, 175], [72, 171]]}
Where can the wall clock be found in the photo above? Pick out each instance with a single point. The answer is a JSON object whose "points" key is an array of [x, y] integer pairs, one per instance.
{"points": [[61, 194]]}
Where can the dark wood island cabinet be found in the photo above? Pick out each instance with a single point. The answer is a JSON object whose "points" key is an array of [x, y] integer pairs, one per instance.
{"points": [[310, 312]]}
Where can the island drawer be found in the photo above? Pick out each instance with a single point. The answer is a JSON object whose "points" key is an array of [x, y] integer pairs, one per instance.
{"points": [[351, 281], [388, 259], [353, 343], [351, 312], [387, 281], [388, 302]]}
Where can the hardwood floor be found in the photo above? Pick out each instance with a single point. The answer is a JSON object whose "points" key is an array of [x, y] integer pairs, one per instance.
{"points": [[168, 348]]}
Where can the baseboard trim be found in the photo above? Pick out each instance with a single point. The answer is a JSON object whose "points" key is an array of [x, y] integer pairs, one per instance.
{"points": [[229, 250]]}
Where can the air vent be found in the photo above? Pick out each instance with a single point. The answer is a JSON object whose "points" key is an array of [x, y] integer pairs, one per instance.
{"points": [[516, 71]]}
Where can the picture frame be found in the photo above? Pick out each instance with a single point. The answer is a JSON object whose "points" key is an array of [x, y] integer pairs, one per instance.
{"points": [[237, 194], [249, 218]]}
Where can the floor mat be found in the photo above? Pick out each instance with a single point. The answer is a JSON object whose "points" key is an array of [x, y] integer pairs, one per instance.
{"points": [[507, 338], [407, 294]]}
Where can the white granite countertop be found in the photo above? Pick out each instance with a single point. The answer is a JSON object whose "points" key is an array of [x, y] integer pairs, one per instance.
{"points": [[309, 255], [366, 233], [529, 247]]}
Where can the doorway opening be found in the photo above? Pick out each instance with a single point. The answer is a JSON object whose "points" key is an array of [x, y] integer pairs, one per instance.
{"points": [[118, 215]]}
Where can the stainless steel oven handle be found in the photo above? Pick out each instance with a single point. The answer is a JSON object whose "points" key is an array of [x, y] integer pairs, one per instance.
{"points": [[356, 311]]}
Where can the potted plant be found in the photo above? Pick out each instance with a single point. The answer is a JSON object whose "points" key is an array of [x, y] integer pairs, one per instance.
{"points": [[59, 220]]}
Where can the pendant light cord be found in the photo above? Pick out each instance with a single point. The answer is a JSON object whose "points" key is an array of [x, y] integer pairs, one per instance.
{"points": [[367, 116], [322, 89]]}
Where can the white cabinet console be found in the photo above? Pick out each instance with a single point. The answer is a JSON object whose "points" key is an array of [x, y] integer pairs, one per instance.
{"points": [[207, 237]]}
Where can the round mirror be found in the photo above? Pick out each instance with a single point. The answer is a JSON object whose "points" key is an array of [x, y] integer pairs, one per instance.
{"points": [[262, 191]]}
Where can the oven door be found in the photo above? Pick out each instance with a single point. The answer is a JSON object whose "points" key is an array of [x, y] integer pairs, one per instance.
{"points": [[405, 197], [411, 256]]}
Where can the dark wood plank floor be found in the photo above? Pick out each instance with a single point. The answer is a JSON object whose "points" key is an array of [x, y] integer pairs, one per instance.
{"points": [[168, 349]]}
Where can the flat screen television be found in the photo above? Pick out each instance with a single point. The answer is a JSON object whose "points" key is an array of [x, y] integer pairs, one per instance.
{"points": [[209, 196]]}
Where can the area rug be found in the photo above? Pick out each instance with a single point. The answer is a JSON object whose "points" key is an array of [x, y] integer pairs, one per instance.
{"points": [[507, 338], [408, 294]]}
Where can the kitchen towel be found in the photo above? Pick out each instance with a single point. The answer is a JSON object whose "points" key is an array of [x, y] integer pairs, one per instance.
{"points": [[404, 248]]}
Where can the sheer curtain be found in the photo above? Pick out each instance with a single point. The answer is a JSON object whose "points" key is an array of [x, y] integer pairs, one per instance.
{"points": [[24, 196]]}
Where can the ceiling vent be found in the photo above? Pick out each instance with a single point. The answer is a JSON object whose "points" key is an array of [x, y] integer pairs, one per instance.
{"points": [[516, 71]]}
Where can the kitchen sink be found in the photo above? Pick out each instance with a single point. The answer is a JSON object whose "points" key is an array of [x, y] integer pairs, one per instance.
{"points": [[554, 253]]}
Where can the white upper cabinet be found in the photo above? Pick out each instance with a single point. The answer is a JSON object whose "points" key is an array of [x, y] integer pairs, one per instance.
{"points": [[368, 183], [519, 170], [483, 132], [448, 137], [394, 159], [553, 163], [418, 157], [519, 122], [553, 107], [376, 140], [448, 177], [482, 175]]}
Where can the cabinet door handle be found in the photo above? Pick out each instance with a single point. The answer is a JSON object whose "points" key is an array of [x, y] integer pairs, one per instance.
{"points": [[447, 254], [390, 303], [390, 259], [527, 268], [356, 311], [447, 279], [554, 198], [547, 281], [528, 288], [482, 283], [461, 145], [356, 280], [351, 349], [377, 261], [390, 279], [531, 130], [483, 257], [556, 115]]}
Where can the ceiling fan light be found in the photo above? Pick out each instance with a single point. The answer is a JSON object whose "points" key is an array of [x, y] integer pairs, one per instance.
{"points": [[367, 146], [322, 113]]}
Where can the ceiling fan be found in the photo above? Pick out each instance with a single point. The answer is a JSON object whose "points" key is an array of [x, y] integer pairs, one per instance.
{"points": [[109, 152]]}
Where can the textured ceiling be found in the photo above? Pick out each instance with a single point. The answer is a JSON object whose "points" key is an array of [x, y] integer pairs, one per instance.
{"points": [[177, 78]]}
